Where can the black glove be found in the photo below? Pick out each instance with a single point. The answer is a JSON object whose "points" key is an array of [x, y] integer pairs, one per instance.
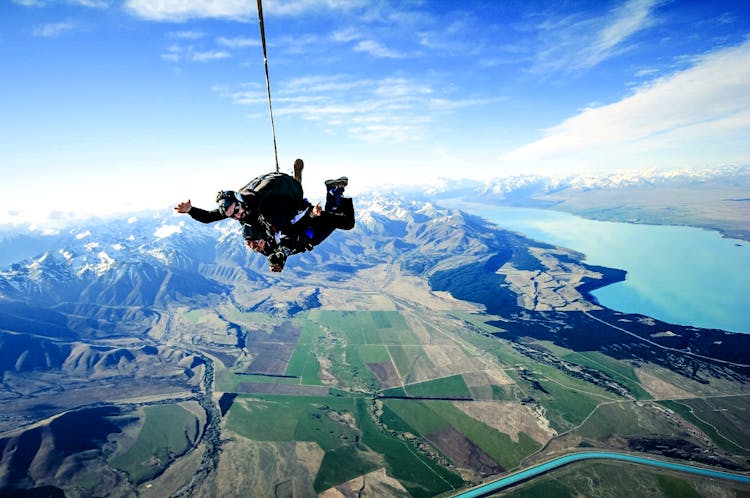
{"points": [[277, 261]]}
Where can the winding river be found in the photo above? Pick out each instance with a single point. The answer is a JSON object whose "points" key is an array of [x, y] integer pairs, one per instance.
{"points": [[537, 470]]}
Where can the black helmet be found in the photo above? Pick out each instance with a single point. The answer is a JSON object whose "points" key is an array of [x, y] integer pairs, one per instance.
{"points": [[225, 198]]}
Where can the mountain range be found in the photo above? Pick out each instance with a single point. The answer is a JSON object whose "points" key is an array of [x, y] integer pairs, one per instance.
{"points": [[103, 320]]}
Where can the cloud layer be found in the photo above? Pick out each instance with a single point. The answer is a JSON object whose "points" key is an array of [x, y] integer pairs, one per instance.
{"points": [[671, 120]]}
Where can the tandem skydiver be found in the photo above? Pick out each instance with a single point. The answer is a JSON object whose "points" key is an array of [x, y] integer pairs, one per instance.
{"points": [[310, 231], [277, 220]]}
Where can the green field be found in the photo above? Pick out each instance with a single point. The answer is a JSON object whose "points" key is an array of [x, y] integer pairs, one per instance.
{"points": [[620, 371], [373, 353], [304, 363], [372, 327], [292, 418], [418, 474], [722, 419], [624, 418], [408, 359], [359, 431], [348, 450], [446, 387], [567, 401], [342, 464], [427, 417], [168, 431]]}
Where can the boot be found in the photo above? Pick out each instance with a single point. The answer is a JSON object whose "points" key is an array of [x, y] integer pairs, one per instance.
{"points": [[298, 165]]}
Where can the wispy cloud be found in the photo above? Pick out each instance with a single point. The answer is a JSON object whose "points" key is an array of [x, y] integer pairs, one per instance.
{"points": [[345, 35], [394, 109], [183, 10], [97, 4], [52, 30], [210, 55], [376, 49], [296, 7], [186, 35], [575, 42], [237, 10], [625, 21], [192, 47], [237, 42], [682, 118]]}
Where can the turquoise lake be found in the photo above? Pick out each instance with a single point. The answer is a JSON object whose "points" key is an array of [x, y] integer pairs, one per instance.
{"points": [[680, 275]]}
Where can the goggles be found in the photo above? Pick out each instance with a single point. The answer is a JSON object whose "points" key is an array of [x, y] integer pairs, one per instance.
{"points": [[225, 199]]}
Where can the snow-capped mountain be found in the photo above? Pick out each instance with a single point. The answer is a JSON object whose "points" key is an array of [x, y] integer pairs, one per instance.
{"points": [[156, 258], [521, 186]]}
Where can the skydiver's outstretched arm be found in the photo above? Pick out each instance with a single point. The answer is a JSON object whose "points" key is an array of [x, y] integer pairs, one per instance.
{"points": [[199, 214]]}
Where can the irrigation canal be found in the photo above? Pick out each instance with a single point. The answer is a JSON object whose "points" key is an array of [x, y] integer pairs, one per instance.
{"points": [[531, 472]]}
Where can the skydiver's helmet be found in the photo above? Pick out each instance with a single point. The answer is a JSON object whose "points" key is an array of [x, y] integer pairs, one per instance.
{"points": [[225, 198]]}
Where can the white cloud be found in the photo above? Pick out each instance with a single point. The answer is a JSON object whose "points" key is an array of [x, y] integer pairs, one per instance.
{"points": [[52, 30], [692, 116], [346, 35], [377, 49], [97, 4], [186, 35], [237, 42], [574, 43], [182, 10], [171, 57], [237, 10], [296, 7], [210, 55], [630, 18], [177, 52], [394, 109]]}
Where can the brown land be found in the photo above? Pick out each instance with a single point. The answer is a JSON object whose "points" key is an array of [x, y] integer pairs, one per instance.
{"points": [[259, 468], [464, 453], [375, 484], [509, 417], [386, 374]]}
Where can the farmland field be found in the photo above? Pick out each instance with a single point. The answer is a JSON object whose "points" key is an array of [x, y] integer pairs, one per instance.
{"points": [[168, 431], [434, 404]]}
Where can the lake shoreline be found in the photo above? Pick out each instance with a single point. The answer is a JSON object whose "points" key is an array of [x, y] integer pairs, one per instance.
{"points": [[677, 274]]}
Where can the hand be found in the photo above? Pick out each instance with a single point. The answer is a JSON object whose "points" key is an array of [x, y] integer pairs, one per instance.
{"points": [[316, 211], [276, 261], [183, 207]]}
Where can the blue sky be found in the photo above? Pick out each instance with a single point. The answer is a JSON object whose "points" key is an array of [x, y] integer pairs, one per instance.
{"points": [[125, 105]]}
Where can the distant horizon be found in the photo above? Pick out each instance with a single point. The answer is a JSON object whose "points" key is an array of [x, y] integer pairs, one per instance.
{"points": [[59, 219]]}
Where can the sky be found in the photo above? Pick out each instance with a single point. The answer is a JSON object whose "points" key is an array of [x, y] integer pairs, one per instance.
{"points": [[127, 105]]}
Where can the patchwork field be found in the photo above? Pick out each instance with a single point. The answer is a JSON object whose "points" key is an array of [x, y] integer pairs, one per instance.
{"points": [[432, 405]]}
